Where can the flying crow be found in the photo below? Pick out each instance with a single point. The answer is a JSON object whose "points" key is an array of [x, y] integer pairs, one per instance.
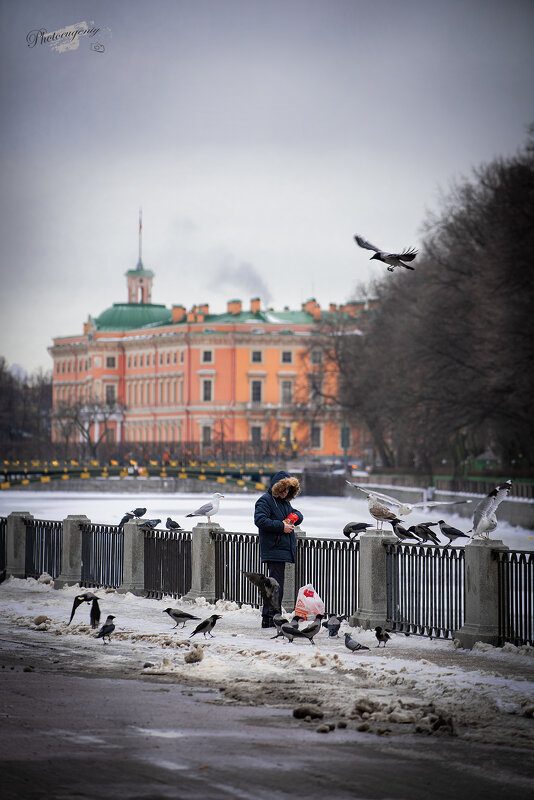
{"points": [[392, 260], [269, 588], [94, 614]]}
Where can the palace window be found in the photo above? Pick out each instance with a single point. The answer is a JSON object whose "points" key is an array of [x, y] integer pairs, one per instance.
{"points": [[207, 356], [111, 362], [110, 394], [207, 387], [287, 357], [206, 435], [287, 392], [315, 437], [255, 391], [256, 357], [255, 434]]}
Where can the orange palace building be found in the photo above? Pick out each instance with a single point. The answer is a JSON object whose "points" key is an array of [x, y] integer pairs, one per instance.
{"points": [[174, 376]]}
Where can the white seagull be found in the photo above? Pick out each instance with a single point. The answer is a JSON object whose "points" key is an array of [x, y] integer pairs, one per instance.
{"points": [[402, 509], [208, 509], [484, 516], [392, 260]]}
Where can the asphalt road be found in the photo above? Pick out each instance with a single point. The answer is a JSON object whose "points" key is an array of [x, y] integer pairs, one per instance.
{"points": [[68, 733]]}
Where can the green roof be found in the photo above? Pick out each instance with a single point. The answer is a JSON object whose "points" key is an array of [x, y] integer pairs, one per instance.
{"points": [[128, 316]]}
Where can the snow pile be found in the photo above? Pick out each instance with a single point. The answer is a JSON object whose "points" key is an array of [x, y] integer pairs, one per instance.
{"points": [[414, 685]]}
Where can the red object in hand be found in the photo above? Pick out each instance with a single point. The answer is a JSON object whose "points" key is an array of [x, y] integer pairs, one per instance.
{"points": [[291, 518]]}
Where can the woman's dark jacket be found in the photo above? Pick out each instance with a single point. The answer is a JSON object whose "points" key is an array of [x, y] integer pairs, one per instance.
{"points": [[269, 514]]}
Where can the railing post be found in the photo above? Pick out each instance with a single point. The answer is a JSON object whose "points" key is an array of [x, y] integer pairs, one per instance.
{"points": [[481, 621], [372, 583], [71, 551], [290, 588], [133, 569], [16, 543], [203, 562]]}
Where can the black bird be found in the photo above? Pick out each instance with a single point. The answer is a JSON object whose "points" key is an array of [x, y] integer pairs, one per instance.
{"points": [[172, 525], [107, 629], [392, 260], [308, 632], [353, 645], [269, 588], [381, 635], [138, 512], [206, 626], [424, 533], [94, 614], [149, 524], [280, 620], [179, 616], [352, 529], [451, 533], [333, 624], [127, 517], [401, 532]]}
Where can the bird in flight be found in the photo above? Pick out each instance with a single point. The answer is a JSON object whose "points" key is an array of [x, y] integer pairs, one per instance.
{"points": [[391, 260], [402, 508], [484, 516]]}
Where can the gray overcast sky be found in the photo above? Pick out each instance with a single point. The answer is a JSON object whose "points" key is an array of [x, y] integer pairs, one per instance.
{"points": [[258, 136]]}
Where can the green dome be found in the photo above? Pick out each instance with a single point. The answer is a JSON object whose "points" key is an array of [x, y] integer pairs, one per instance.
{"points": [[129, 316]]}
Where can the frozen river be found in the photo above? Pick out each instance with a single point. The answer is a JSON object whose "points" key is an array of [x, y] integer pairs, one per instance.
{"points": [[323, 516]]}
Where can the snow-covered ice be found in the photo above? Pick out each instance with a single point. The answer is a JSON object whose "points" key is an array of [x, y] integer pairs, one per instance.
{"points": [[323, 516]]}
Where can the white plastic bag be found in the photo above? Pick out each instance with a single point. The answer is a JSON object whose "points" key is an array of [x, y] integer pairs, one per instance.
{"points": [[308, 604]]}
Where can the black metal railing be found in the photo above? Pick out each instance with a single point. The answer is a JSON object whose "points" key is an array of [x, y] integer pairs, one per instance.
{"points": [[44, 540], [516, 596], [331, 566], [235, 552], [425, 589], [167, 563], [102, 555], [3, 526]]}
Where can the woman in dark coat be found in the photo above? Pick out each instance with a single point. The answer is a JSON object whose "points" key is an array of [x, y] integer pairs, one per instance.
{"points": [[278, 543]]}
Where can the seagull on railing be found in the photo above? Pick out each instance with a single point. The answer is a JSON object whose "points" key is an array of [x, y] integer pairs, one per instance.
{"points": [[484, 517], [391, 260], [208, 509], [403, 508]]}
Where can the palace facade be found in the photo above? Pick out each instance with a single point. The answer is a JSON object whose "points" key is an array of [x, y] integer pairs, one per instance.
{"points": [[171, 376]]}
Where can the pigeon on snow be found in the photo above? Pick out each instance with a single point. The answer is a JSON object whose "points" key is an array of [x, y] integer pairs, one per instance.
{"points": [[391, 260], [353, 645]]}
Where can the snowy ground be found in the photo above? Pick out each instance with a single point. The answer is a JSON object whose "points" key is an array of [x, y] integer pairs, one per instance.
{"points": [[413, 686], [323, 516]]}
